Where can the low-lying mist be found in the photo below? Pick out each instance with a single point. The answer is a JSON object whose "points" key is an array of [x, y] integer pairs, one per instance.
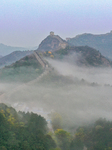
{"points": [[68, 67], [63, 90]]}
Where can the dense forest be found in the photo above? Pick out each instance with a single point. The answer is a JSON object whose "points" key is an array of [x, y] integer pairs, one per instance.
{"points": [[23, 131], [29, 131]]}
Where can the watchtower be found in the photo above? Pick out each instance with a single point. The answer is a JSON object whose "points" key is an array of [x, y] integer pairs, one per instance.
{"points": [[51, 33]]}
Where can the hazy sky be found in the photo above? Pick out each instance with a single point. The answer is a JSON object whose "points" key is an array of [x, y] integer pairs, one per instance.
{"points": [[28, 22]]}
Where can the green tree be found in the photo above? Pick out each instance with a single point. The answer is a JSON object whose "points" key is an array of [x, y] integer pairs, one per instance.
{"points": [[63, 138], [76, 144], [3, 148], [56, 121], [4, 130]]}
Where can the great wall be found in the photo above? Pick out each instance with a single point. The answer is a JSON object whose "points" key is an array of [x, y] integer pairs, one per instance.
{"points": [[46, 68]]}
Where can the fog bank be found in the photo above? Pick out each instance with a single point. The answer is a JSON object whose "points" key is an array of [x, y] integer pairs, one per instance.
{"points": [[64, 92]]}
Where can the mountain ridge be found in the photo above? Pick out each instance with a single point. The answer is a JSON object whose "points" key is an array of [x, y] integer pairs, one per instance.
{"points": [[52, 42], [13, 57], [85, 56], [101, 42], [5, 49]]}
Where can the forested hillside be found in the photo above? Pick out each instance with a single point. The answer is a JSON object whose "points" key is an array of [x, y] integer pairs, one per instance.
{"points": [[23, 70], [80, 55], [29, 131], [23, 131]]}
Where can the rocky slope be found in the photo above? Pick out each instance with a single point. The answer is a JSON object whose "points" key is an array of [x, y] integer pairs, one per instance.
{"points": [[51, 43]]}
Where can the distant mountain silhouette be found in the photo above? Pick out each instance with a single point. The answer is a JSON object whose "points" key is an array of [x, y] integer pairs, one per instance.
{"points": [[101, 42], [13, 57], [5, 50]]}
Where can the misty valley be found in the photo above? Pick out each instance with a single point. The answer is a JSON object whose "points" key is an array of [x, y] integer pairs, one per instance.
{"points": [[57, 97]]}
